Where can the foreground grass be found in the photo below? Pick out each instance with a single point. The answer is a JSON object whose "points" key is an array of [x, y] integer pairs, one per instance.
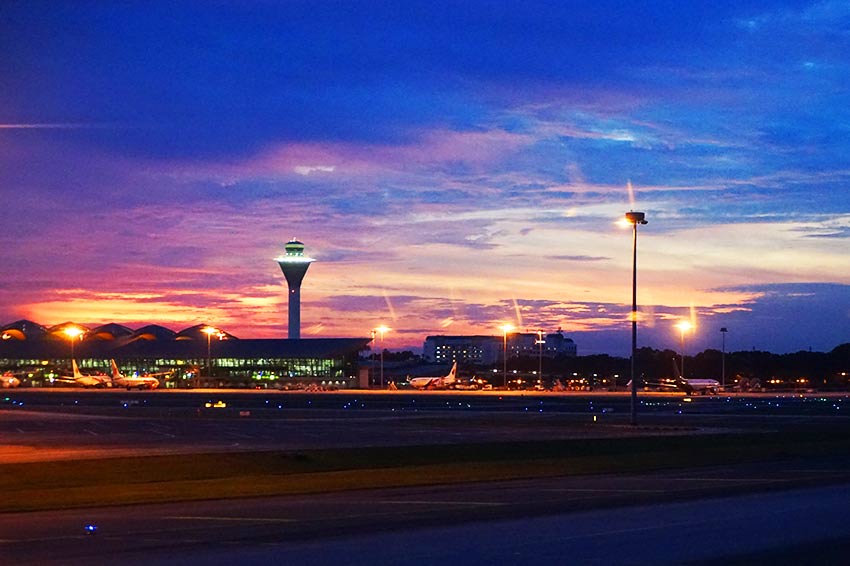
{"points": [[119, 481]]}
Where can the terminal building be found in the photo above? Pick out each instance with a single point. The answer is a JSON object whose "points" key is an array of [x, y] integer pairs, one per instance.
{"points": [[488, 350], [196, 356]]}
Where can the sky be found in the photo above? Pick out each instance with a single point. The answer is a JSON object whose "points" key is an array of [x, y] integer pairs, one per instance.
{"points": [[451, 166]]}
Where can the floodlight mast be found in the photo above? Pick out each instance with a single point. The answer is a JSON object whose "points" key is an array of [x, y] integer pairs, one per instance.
{"points": [[634, 218]]}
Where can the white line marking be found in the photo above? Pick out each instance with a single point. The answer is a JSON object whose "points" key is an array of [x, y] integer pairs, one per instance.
{"points": [[231, 519], [436, 502], [566, 489], [737, 480]]}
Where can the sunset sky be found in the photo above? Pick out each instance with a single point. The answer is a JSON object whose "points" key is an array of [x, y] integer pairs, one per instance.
{"points": [[452, 166]]}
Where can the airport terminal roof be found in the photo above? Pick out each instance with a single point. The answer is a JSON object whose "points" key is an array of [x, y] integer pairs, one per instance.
{"points": [[27, 339], [322, 348]]}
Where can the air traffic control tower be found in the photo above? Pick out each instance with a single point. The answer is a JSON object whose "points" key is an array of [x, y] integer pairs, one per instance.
{"points": [[294, 265]]}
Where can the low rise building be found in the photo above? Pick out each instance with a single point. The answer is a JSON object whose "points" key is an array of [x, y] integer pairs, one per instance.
{"points": [[488, 350]]}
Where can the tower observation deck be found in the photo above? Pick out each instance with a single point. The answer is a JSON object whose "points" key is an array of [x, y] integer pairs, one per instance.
{"points": [[294, 265]]}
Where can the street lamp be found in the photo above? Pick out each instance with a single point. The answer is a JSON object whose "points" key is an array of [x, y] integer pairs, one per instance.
{"points": [[381, 329], [634, 218], [723, 332], [540, 342], [505, 329], [683, 327], [372, 362], [209, 331], [73, 332]]}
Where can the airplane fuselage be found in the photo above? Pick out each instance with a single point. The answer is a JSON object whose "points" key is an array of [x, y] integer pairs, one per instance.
{"points": [[704, 386], [434, 382]]}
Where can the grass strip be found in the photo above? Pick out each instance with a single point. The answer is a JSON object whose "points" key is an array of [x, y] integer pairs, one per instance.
{"points": [[121, 481]]}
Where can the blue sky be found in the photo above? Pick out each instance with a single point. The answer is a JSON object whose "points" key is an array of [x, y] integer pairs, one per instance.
{"points": [[453, 166]]}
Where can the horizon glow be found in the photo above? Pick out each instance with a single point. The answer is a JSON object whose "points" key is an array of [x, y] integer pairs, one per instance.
{"points": [[452, 166]]}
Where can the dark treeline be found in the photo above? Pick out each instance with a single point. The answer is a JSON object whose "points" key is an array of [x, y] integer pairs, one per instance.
{"points": [[819, 369]]}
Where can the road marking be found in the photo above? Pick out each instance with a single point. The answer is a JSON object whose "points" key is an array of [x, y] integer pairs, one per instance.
{"points": [[231, 519], [738, 480], [91, 432], [578, 490], [835, 471], [436, 502], [19, 430]]}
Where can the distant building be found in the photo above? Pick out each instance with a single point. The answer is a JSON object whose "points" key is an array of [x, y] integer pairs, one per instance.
{"points": [[486, 350]]}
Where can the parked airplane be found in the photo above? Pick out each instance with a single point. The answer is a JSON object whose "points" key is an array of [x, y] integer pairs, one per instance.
{"points": [[147, 381], [691, 386], [435, 382], [83, 380], [8, 380]]}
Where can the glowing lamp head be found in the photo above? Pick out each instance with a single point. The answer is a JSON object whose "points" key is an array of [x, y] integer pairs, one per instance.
{"points": [[73, 332], [506, 328], [209, 330], [635, 218], [382, 329], [684, 326]]}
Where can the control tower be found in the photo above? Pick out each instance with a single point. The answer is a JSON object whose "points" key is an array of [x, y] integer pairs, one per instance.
{"points": [[294, 265]]}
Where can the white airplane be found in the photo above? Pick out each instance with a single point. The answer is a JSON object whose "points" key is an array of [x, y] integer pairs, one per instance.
{"points": [[83, 380], [691, 386], [8, 380], [146, 381], [434, 382]]}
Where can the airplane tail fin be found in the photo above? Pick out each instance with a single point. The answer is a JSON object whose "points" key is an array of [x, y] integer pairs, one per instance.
{"points": [[76, 368], [452, 377], [115, 371], [681, 382]]}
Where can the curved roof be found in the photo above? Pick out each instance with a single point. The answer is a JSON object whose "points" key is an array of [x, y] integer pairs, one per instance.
{"points": [[22, 330], [196, 333], [154, 332], [59, 329], [109, 331]]}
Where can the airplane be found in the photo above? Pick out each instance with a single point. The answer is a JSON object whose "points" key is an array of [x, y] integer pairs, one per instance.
{"points": [[147, 381], [8, 380], [691, 386], [434, 382], [83, 380]]}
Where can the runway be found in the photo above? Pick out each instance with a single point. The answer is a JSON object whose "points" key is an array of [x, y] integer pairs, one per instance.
{"points": [[72, 423], [590, 519], [678, 515]]}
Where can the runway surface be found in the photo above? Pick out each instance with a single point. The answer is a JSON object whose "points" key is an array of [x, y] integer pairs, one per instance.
{"points": [[671, 516], [700, 516]]}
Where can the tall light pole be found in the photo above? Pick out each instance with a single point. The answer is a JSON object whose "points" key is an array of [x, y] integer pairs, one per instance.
{"points": [[209, 331], [381, 329], [540, 342], [723, 332], [372, 363], [73, 332], [683, 327], [634, 218], [505, 329]]}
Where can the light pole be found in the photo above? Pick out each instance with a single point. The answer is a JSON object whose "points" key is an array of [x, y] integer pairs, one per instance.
{"points": [[73, 332], [209, 331], [505, 329], [381, 329], [683, 327], [372, 363], [540, 342], [634, 218], [723, 332]]}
